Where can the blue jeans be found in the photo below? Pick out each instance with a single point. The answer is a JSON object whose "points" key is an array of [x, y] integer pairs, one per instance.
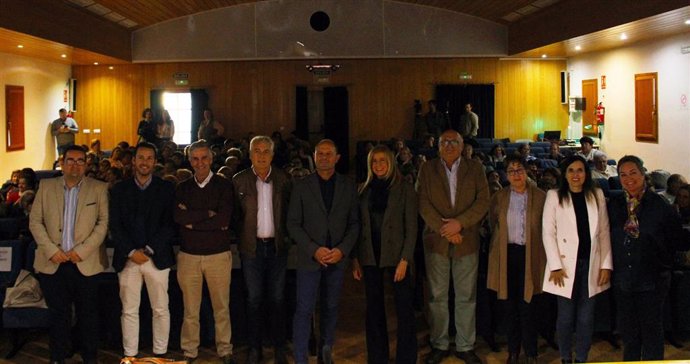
{"points": [[264, 276], [576, 313], [329, 281]]}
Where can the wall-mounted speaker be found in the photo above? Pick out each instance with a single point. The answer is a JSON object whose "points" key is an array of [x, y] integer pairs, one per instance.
{"points": [[73, 94], [564, 87]]}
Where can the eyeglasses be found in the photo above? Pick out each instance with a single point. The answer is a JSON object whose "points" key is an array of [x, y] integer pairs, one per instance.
{"points": [[72, 161], [515, 172], [453, 142]]}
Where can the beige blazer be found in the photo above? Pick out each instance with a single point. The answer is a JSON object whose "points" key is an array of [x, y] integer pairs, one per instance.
{"points": [[561, 241], [471, 205], [90, 225], [535, 258]]}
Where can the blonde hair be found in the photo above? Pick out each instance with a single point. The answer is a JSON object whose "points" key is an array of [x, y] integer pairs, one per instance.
{"points": [[392, 175]]}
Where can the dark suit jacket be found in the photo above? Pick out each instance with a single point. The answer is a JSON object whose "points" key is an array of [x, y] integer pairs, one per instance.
{"points": [[309, 223], [247, 209], [471, 204], [398, 230], [158, 217]]}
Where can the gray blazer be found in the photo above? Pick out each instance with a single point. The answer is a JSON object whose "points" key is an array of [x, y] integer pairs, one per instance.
{"points": [[309, 223], [398, 231]]}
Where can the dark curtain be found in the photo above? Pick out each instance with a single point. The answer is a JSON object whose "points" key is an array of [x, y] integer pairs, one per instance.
{"points": [[301, 114], [157, 103], [452, 98], [199, 103], [336, 123]]}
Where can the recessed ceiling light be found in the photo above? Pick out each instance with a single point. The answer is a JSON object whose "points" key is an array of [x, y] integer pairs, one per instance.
{"points": [[63, 55], [111, 67], [543, 56], [687, 22], [577, 47], [624, 36], [95, 63], [20, 46]]}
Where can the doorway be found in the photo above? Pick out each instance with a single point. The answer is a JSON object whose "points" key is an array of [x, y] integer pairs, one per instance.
{"points": [[453, 98], [323, 112], [591, 96]]}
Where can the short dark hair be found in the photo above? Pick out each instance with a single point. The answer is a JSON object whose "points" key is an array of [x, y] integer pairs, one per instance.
{"points": [[77, 148], [143, 113], [62, 110], [514, 158], [631, 159], [146, 145], [586, 139]]}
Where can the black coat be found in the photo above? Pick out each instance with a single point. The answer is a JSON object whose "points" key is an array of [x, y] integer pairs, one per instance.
{"points": [[157, 227]]}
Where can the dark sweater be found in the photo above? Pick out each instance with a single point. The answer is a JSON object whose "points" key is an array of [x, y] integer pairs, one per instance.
{"points": [[208, 235], [584, 246]]}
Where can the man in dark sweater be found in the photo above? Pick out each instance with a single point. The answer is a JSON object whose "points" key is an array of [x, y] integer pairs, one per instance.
{"points": [[203, 209], [142, 228]]}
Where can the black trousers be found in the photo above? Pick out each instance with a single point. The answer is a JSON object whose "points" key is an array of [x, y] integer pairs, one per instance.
{"points": [[641, 321], [522, 328], [376, 328], [65, 287]]}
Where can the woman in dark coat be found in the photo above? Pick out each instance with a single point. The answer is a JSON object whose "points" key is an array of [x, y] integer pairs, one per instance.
{"points": [[388, 207], [645, 233]]}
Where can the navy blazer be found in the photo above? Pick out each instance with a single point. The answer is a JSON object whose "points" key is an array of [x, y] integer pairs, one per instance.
{"points": [[309, 223], [160, 227]]}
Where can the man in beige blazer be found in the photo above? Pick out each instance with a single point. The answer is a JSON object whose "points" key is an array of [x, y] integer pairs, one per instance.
{"points": [[69, 221], [453, 199]]}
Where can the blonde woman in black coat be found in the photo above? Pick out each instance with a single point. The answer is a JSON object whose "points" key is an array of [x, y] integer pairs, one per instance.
{"points": [[388, 207]]}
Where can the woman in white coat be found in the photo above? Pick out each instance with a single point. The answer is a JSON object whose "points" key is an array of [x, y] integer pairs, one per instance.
{"points": [[576, 239]]}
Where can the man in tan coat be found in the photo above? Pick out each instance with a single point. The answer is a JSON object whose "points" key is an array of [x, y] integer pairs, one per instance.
{"points": [[69, 221], [453, 199]]}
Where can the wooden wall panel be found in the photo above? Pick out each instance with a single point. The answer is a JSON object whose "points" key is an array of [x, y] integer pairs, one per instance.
{"points": [[259, 96]]}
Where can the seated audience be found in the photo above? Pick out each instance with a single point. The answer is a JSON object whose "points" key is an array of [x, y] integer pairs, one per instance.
{"points": [[524, 152], [601, 167], [555, 152], [672, 185], [682, 203], [586, 148], [550, 179]]}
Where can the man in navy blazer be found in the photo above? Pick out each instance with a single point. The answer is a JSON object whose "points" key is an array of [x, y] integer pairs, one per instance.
{"points": [[142, 228], [323, 220]]}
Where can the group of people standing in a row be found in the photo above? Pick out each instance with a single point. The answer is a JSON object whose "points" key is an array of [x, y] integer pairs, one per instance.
{"points": [[564, 242]]}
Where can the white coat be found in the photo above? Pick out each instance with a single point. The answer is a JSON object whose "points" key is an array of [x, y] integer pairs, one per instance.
{"points": [[559, 234]]}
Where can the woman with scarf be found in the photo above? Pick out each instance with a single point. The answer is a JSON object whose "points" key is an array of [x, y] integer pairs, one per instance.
{"points": [[645, 233], [388, 207], [575, 232]]}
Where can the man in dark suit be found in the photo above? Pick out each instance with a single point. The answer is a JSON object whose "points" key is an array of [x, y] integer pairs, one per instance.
{"points": [[262, 198], [142, 228], [69, 221], [323, 220], [453, 200]]}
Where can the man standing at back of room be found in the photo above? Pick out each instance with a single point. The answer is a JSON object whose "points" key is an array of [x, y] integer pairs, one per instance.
{"points": [[63, 129], [262, 198], [323, 219], [453, 200], [469, 123], [142, 229], [69, 221], [203, 210]]}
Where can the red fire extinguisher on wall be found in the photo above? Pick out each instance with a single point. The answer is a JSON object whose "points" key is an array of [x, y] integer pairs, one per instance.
{"points": [[600, 112]]}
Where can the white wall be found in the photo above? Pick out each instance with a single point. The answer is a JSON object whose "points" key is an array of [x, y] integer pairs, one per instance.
{"points": [[620, 66], [43, 83]]}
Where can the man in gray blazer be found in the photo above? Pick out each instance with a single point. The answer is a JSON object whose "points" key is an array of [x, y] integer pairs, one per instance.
{"points": [[323, 220], [69, 221], [453, 200]]}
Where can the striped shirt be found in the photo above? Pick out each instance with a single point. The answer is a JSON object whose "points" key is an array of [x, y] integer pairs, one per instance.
{"points": [[69, 216]]}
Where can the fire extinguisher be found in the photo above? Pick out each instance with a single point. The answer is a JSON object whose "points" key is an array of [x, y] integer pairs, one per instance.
{"points": [[600, 112]]}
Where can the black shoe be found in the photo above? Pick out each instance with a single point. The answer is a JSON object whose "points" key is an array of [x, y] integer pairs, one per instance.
{"points": [[435, 356], [254, 356], [492, 343], [469, 357], [279, 356], [163, 355], [189, 359], [513, 358], [229, 359]]}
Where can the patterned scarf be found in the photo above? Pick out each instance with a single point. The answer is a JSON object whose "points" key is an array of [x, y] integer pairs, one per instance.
{"points": [[632, 226]]}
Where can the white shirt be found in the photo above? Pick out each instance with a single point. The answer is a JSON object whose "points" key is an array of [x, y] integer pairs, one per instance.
{"points": [[610, 171], [264, 201], [452, 175], [204, 182]]}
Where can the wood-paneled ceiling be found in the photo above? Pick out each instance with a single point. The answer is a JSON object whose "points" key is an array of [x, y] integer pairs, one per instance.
{"points": [[130, 15]]}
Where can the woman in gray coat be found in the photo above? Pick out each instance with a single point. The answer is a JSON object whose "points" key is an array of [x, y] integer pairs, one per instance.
{"points": [[388, 207]]}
